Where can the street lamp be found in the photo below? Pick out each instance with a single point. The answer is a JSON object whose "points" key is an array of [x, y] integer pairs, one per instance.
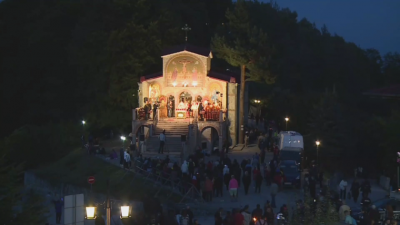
{"points": [[317, 143], [286, 120], [125, 211], [90, 213], [123, 138]]}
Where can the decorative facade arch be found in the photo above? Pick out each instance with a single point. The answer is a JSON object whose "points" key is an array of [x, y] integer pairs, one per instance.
{"points": [[184, 69], [211, 126]]}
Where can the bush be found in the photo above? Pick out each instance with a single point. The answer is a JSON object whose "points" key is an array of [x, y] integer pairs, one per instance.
{"points": [[39, 145]]}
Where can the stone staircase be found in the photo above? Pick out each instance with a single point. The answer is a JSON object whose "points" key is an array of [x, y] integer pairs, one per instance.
{"points": [[173, 146], [172, 127]]}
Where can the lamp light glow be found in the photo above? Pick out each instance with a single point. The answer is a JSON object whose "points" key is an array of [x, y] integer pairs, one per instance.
{"points": [[123, 138], [174, 84], [317, 143], [90, 212], [287, 119], [83, 122], [125, 212], [194, 84]]}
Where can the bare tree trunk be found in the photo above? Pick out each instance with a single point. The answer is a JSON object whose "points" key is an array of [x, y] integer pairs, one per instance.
{"points": [[241, 107]]}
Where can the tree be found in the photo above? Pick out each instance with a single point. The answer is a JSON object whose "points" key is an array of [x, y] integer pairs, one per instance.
{"points": [[16, 206], [241, 44], [315, 212], [326, 125]]}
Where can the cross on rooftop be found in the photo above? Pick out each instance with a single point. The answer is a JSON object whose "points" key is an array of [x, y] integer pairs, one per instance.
{"points": [[186, 28]]}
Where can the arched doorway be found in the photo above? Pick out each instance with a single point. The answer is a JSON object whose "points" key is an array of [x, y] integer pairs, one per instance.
{"points": [[185, 97], [141, 130], [209, 139], [171, 106]]}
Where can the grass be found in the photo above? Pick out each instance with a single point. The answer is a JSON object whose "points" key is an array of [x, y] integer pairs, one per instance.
{"points": [[77, 166]]}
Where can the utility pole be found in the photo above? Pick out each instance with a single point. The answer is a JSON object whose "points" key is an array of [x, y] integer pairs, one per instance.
{"points": [[108, 209], [241, 105]]}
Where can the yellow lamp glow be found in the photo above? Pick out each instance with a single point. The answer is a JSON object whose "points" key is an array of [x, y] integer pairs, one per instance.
{"points": [[125, 212], [90, 213], [287, 119], [317, 143]]}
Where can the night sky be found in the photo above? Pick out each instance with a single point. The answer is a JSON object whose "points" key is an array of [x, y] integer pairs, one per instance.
{"points": [[367, 23]]}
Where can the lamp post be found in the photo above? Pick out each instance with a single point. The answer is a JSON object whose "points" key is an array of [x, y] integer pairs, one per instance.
{"points": [[286, 120], [123, 138], [83, 125], [90, 212], [317, 143], [126, 212]]}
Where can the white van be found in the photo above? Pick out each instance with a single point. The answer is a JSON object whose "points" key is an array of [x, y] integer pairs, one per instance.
{"points": [[290, 139]]}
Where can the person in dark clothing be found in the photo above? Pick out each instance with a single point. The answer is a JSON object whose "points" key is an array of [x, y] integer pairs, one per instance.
{"points": [[366, 188], [262, 156], [243, 164], [155, 107], [355, 190], [365, 202], [121, 156], [246, 182], [190, 215], [258, 180], [227, 178], [58, 207], [257, 213], [218, 185], [269, 215], [312, 187], [218, 217]]}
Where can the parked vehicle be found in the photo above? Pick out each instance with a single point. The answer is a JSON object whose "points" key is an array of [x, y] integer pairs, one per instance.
{"points": [[293, 153], [290, 139], [291, 173]]}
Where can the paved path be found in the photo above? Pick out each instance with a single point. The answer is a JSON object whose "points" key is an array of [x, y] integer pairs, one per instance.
{"points": [[286, 196]]}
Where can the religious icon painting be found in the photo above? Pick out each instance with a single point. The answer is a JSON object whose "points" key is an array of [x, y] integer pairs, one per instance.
{"points": [[185, 70]]}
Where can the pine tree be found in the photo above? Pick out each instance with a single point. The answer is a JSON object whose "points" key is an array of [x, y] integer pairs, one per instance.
{"points": [[327, 125], [241, 44], [315, 213], [17, 207]]}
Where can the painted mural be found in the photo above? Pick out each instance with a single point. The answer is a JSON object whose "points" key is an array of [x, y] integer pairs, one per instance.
{"points": [[185, 71], [154, 91]]}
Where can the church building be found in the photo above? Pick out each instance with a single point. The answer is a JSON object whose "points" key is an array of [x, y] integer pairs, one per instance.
{"points": [[190, 101]]}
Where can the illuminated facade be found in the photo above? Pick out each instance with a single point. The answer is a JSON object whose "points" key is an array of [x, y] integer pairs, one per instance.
{"points": [[187, 81]]}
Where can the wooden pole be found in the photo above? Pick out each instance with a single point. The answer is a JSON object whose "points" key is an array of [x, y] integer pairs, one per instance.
{"points": [[241, 107]]}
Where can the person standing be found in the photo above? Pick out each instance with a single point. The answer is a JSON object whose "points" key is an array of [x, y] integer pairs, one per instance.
{"points": [[246, 214], [127, 160], [246, 182], [355, 190], [155, 107], [162, 142], [233, 186], [258, 182], [274, 190], [342, 210], [121, 157], [343, 187], [58, 207]]}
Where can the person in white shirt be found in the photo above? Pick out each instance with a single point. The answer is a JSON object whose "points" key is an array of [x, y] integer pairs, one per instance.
{"points": [[127, 159], [225, 170], [343, 187], [162, 142]]}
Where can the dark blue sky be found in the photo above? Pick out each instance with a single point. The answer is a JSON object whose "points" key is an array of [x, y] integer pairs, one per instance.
{"points": [[367, 23]]}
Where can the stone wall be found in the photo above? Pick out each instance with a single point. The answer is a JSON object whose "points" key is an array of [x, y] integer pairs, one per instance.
{"points": [[55, 192]]}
